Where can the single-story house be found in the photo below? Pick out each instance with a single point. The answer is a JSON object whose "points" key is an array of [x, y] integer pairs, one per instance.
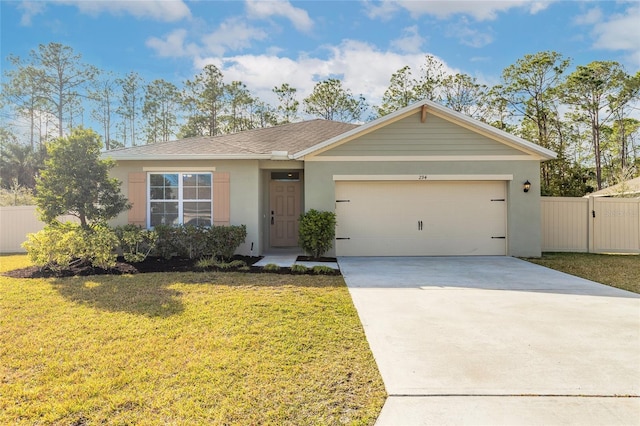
{"points": [[424, 180], [628, 189]]}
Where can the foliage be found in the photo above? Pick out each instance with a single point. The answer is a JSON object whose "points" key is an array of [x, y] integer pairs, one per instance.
{"points": [[135, 242], [214, 263], [16, 195], [287, 103], [196, 242], [20, 164], [160, 110], [76, 181], [316, 232], [63, 245], [203, 97], [271, 267], [322, 270], [299, 269], [331, 101]]}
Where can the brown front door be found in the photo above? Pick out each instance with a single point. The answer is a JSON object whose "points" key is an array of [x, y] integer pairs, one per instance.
{"points": [[284, 211]]}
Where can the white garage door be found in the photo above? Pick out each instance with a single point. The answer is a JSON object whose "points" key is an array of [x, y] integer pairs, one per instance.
{"points": [[420, 218]]}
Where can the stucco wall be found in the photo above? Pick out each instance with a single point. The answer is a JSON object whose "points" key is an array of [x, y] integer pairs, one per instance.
{"points": [[523, 209]]}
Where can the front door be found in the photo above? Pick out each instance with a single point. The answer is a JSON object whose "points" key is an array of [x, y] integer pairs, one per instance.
{"points": [[284, 212]]}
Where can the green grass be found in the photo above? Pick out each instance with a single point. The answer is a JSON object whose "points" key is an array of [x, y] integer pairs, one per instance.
{"points": [[621, 271], [183, 348]]}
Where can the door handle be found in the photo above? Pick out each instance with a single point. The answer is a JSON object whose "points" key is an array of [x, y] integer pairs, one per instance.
{"points": [[272, 220], [419, 225]]}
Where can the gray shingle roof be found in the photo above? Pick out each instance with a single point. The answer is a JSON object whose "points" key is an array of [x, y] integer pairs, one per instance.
{"points": [[257, 143]]}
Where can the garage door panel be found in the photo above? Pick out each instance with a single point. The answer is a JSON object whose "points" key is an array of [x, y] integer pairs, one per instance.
{"points": [[420, 218]]}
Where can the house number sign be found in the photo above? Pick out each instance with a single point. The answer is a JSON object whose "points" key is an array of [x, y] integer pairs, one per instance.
{"points": [[423, 177]]}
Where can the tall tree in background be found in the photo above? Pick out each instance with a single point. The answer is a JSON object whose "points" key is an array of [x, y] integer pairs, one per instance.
{"points": [[20, 164], [432, 73], [237, 107], [22, 92], [103, 93], [161, 105], [288, 105], [463, 93], [400, 93], [331, 101], [203, 100], [61, 80], [530, 87], [130, 105], [596, 93]]}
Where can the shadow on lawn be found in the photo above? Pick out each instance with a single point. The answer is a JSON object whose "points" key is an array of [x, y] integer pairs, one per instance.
{"points": [[126, 293]]}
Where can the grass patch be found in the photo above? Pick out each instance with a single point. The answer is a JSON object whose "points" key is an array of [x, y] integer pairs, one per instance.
{"points": [[621, 271], [183, 348]]}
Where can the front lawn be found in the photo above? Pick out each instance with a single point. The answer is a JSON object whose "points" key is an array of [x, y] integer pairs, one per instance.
{"points": [[183, 348], [621, 271]]}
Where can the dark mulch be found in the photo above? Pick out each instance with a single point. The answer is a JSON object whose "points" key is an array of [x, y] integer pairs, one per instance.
{"points": [[151, 264]]}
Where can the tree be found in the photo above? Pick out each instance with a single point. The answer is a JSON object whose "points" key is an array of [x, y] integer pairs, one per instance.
{"points": [[400, 93], [103, 94], [430, 80], [329, 100], [75, 181], [597, 92], [238, 107], [129, 106], [203, 98], [59, 78], [161, 102], [288, 105], [19, 164], [464, 94]]}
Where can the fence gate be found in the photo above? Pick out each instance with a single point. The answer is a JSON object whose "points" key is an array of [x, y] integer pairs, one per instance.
{"points": [[615, 225]]}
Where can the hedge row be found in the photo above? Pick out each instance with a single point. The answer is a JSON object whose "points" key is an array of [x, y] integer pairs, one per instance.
{"points": [[63, 245]]}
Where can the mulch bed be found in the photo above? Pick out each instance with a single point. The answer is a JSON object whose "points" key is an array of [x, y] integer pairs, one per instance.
{"points": [[151, 264]]}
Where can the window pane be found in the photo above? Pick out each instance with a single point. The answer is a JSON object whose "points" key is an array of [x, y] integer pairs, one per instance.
{"points": [[197, 213], [189, 180], [164, 213], [156, 193], [204, 179], [204, 193], [189, 193]]}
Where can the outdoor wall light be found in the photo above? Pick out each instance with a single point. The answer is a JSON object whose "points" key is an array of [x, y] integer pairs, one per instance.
{"points": [[527, 186]]}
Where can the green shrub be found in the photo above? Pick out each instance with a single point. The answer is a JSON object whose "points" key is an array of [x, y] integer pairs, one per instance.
{"points": [[62, 245], [322, 270], [212, 262], [271, 267], [316, 232], [296, 268], [135, 242], [197, 242]]}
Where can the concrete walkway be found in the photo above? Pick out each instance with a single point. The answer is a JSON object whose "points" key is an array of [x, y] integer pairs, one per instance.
{"points": [[285, 258], [497, 340]]}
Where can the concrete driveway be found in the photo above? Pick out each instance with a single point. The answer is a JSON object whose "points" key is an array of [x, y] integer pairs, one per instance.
{"points": [[497, 340]]}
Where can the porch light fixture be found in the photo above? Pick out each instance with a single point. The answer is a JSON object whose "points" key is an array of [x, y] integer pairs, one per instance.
{"points": [[527, 186]]}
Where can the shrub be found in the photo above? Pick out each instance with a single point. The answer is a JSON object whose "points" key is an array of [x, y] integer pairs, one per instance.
{"points": [[322, 270], [316, 232], [212, 262], [135, 242], [296, 268], [271, 267], [63, 245], [197, 242]]}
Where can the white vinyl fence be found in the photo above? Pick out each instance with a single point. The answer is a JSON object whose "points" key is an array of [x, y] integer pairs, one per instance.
{"points": [[594, 224], [18, 221]]}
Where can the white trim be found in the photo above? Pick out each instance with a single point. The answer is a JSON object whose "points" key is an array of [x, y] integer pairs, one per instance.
{"points": [[180, 200], [177, 157], [390, 158], [178, 169], [423, 177]]}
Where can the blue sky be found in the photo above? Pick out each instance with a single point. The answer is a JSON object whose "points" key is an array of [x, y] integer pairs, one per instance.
{"points": [[267, 43]]}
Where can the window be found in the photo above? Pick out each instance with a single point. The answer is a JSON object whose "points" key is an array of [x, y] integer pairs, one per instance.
{"points": [[180, 198]]}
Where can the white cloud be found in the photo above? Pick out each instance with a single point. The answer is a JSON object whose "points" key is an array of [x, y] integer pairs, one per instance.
{"points": [[468, 36], [618, 32], [233, 34], [480, 10], [173, 45], [265, 9], [362, 68], [30, 9], [160, 10], [411, 42]]}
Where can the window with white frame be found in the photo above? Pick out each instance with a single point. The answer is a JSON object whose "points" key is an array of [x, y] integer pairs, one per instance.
{"points": [[180, 198]]}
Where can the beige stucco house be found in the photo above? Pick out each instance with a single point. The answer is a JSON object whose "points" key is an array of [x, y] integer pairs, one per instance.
{"points": [[424, 180]]}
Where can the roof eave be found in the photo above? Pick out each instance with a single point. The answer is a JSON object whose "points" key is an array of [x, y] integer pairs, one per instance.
{"points": [[189, 157]]}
